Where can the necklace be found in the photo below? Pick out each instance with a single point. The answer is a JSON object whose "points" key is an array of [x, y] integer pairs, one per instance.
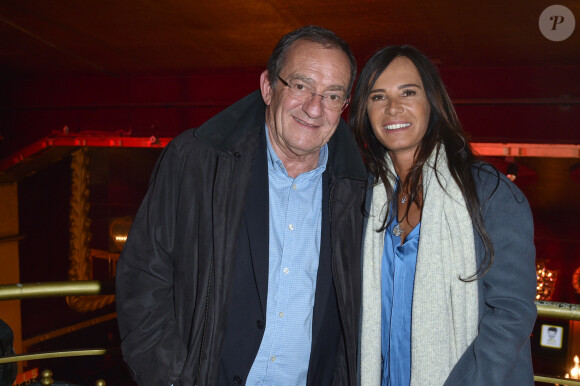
{"points": [[398, 229]]}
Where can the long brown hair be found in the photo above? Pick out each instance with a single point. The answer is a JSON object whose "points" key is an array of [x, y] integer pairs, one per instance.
{"points": [[443, 128]]}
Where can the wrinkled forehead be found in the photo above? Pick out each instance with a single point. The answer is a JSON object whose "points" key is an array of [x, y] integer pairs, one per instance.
{"points": [[330, 62]]}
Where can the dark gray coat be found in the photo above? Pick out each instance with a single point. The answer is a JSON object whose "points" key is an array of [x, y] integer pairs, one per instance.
{"points": [[500, 354]]}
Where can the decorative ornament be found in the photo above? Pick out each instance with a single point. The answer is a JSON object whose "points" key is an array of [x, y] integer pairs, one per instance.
{"points": [[576, 280], [546, 282], [80, 252]]}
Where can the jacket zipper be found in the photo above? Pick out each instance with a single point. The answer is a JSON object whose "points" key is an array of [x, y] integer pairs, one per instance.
{"points": [[205, 317], [236, 155], [340, 300]]}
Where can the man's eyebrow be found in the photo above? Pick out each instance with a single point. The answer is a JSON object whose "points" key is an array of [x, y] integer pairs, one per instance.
{"points": [[300, 77], [310, 81], [336, 87]]}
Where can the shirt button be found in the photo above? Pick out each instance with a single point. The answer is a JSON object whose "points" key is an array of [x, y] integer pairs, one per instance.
{"points": [[281, 314], [237, 380], [286, 270], [291, 227], [273, 359], [294, 187]]}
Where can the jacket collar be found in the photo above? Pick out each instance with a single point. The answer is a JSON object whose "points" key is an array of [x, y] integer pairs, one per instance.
{"points": [[226, 130]]}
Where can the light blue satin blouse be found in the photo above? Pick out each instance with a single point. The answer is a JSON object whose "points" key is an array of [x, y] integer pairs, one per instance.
{"points": [[397, 279]]}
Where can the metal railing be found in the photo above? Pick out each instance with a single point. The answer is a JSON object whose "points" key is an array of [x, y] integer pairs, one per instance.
{"points": [[556, 310], [52, 354], [556, 381], [55, 289], [546, 309]]}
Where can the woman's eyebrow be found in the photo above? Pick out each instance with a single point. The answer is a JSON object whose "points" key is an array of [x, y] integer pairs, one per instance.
{"points": [[408, 85]]}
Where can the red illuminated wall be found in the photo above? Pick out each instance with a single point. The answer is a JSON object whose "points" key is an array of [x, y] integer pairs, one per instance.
{"points": [[494, 104]]}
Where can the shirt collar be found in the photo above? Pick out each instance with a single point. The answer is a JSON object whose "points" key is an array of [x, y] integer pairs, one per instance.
{"points": [[275, 162]]}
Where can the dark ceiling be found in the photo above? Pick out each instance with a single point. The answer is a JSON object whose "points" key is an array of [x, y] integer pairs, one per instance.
{"points": [[96, 37]]}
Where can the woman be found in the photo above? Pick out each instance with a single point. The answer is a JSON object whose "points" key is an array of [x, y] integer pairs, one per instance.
{"points": [[448, 258]]}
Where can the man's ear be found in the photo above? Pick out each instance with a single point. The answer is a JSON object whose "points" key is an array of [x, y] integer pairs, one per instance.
{"points": [[265, 88]]}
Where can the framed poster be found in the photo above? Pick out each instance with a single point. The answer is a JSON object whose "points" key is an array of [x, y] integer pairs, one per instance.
{"points": [[551, 336]]}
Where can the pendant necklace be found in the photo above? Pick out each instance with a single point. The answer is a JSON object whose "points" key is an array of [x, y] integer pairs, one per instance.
{"points": [[398, 229]]}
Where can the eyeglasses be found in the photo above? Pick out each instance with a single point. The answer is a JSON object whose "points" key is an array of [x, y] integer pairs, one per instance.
{"points": [[301, 91]]}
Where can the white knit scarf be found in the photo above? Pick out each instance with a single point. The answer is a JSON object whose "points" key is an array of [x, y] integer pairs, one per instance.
{"points": [[445, 309]]}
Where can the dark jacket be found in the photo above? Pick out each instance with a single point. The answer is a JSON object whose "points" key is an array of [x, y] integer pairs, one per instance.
{"points": [[175, 275]]}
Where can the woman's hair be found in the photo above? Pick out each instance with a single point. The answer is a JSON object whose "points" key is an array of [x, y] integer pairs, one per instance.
{"points": [[443, 128]]}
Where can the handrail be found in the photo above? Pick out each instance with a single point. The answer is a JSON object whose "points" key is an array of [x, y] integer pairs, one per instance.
{"points": [[556, 381], [52, 354], [66, 330], [55, 289], [557, 310], [94, 287]]}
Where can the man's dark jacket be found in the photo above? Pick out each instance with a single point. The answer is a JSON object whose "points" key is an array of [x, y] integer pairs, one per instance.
{"points": [[178, 272]]}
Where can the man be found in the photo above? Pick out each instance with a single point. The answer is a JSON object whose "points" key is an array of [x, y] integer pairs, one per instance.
{"points": [[242, 265]]}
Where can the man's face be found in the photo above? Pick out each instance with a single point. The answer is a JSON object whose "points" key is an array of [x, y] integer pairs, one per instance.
{"points": [[299, 129]]}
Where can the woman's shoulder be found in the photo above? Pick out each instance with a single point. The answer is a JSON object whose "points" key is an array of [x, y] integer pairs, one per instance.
{"points": [[491, 184]]}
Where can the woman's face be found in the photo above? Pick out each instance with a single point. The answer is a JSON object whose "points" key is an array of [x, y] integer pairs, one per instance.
{"points": [[398, 108]]}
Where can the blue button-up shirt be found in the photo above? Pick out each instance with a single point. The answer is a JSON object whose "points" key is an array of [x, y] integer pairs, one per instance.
{"points": [[294, 247], [397, 280]]}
